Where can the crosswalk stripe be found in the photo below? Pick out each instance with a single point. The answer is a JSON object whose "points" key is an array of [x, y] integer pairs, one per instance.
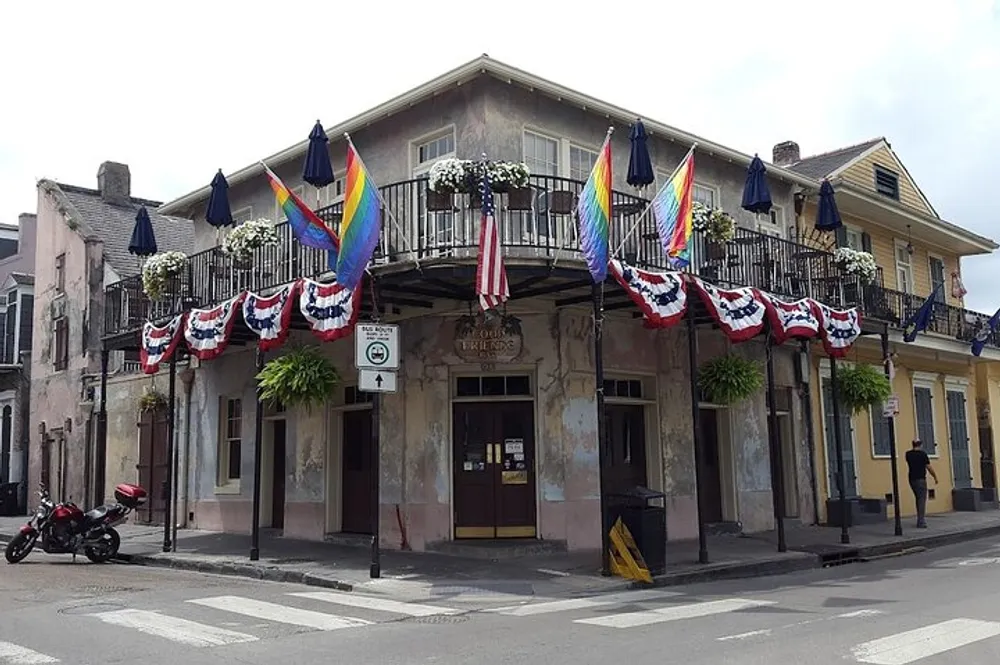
{"points": [[676, 613], [174, 629], [532, 609], [914, 645], [280, 613], [12, 654], [373, 603]]}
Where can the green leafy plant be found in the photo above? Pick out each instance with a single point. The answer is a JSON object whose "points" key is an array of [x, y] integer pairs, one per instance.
{"points": [[730, 378], [862, 387], [301, 377], [152, 400]]}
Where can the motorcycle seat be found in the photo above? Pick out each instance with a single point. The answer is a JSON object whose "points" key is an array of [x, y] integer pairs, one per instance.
{"points": [[97, 513]]}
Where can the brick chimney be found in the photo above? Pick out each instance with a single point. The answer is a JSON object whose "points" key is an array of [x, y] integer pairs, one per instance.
{"points": [[785, 153], [115, 183]]}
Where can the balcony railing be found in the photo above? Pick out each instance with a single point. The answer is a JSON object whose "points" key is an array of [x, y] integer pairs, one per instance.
{"points": [[419, 225]]}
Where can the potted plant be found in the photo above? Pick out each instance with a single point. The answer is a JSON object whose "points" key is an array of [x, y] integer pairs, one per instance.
{"points": [[717, 227], [512, 178], [862, 387], [160, 269], [245, 239], [729, 379], [447, 177], [302, 377], [853, 262], [152, 400]]}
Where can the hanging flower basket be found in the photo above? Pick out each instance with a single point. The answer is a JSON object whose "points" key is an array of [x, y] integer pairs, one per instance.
{"points": [[508, 176], [729, 379], [439, 201], [159, 270], [301, 377], [852, 262], [451, 176], [245, 239], [716, 225], [862, 387], [152, 400]]}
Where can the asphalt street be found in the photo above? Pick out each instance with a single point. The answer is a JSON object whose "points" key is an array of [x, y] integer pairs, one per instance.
{"points": [[936, 607]]}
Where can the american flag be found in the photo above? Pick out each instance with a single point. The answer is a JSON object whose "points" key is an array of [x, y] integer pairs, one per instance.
{"points": [[491, 275]]}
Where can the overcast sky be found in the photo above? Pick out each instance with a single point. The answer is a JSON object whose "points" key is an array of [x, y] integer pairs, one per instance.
{"points": [[178, 89]]}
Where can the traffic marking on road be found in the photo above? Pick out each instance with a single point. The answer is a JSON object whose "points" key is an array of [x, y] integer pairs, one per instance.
{"points": [[569, 604], [12, 654], [378, 604], [675, 613], [174, 629], [914, 645], [260, 609]]}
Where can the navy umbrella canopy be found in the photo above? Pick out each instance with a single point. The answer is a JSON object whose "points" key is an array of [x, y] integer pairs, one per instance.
{"points": [[318, 171], [756, 193], [640, 168], [143, 242], [827, 215], [218, 212]]}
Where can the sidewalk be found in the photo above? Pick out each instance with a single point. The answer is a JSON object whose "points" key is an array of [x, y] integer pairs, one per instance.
{"points": [[427, 575]]}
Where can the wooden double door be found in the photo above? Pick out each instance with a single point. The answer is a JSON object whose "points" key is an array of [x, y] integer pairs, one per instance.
{"points": [[152, 466], [494, 470]]}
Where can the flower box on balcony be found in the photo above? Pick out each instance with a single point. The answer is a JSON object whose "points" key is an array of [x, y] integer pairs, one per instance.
{"points": [[520, 198], [439, 201], [561, 202]]}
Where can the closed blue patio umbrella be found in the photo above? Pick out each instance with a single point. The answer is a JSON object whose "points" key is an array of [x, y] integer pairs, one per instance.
{"points": [[756, 193], [827, 215], [640, 168], [143, 242], [318, 171], [218, 213]]}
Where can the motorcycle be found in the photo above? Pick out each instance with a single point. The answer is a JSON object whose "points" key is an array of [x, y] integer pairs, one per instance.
{"points": [[63, 528]]}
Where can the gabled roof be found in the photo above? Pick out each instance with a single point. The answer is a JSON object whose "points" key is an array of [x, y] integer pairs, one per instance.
{"points": [[112, 224], [824, 164], [484, 65]]}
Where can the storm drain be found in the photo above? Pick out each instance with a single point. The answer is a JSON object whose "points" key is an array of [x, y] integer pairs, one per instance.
{"points": [[439, 619], [833, 555]]}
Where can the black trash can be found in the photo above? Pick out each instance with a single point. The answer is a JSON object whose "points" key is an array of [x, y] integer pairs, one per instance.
{"points": [[646, 522], [8, 499]]}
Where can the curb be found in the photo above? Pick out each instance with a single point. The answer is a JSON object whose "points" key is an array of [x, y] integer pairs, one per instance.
{"points": [[721, 572], [928, 542], [267, 574]]}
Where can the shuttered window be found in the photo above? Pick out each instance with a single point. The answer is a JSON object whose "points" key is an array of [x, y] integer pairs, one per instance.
{"points": [[925, 418], [881, 442]]}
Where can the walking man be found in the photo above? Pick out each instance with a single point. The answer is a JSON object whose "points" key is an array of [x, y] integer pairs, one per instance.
{"points": [[919, 465]]}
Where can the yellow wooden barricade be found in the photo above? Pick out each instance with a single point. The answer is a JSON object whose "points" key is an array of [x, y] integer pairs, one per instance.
{"points": [[626, 559]]}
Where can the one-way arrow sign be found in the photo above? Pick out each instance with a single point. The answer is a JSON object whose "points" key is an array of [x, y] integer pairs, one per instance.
{"points": [[377, 380]]}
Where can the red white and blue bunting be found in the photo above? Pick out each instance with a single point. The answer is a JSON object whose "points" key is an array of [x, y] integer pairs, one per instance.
{"points": [[661, 296], [269, 318], [207, 331], [739, 312], [331, 309], [790, 320], [839, 329], [158, 343]]}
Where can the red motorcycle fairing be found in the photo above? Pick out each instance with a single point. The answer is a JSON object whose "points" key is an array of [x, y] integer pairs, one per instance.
{"points": [[28, 530], [66, 511]]}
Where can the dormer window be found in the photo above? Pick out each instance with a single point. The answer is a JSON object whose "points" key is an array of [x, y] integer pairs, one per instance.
{"points": [[886, 182]]}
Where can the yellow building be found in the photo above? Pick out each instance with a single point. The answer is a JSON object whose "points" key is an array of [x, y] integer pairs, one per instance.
{"points": [[944, 392]]}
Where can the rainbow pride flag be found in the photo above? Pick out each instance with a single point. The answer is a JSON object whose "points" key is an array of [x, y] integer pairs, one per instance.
{"points": [[307, 227], [672, 209], [594, 212], [359, 231]]}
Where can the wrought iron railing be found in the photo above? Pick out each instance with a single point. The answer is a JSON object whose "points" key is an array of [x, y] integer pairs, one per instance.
{"points": [[419, 225]]}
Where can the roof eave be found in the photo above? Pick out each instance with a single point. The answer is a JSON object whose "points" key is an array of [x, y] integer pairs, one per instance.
{"points": [[470, 70]]}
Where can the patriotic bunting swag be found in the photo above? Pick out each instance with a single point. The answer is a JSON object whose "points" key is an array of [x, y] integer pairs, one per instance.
{"points": [[270, 317], [662, 296], [207, 331], [738, 312], [158, 343], [331, 309], [790, 320], [742, 313]]}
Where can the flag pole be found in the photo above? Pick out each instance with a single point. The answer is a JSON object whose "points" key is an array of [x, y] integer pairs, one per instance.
{"points": [[650, 204], [607, 139], [385, 206]]}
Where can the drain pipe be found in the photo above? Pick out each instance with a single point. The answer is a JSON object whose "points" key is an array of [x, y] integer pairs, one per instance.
{"points": [[804, 372], [187, 378]]}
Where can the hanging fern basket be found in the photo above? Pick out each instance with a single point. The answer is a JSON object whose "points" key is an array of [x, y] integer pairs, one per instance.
{"points": [[729, 379], [302, 377], [862, 387], [152, 400]]}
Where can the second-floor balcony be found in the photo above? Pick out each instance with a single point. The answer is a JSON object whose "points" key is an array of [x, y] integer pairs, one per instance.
{"points": [[420, 226]]}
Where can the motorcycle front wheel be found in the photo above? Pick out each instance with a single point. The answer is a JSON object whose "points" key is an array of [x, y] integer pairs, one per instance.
{"points": [[105, 548], [18, 548]]}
